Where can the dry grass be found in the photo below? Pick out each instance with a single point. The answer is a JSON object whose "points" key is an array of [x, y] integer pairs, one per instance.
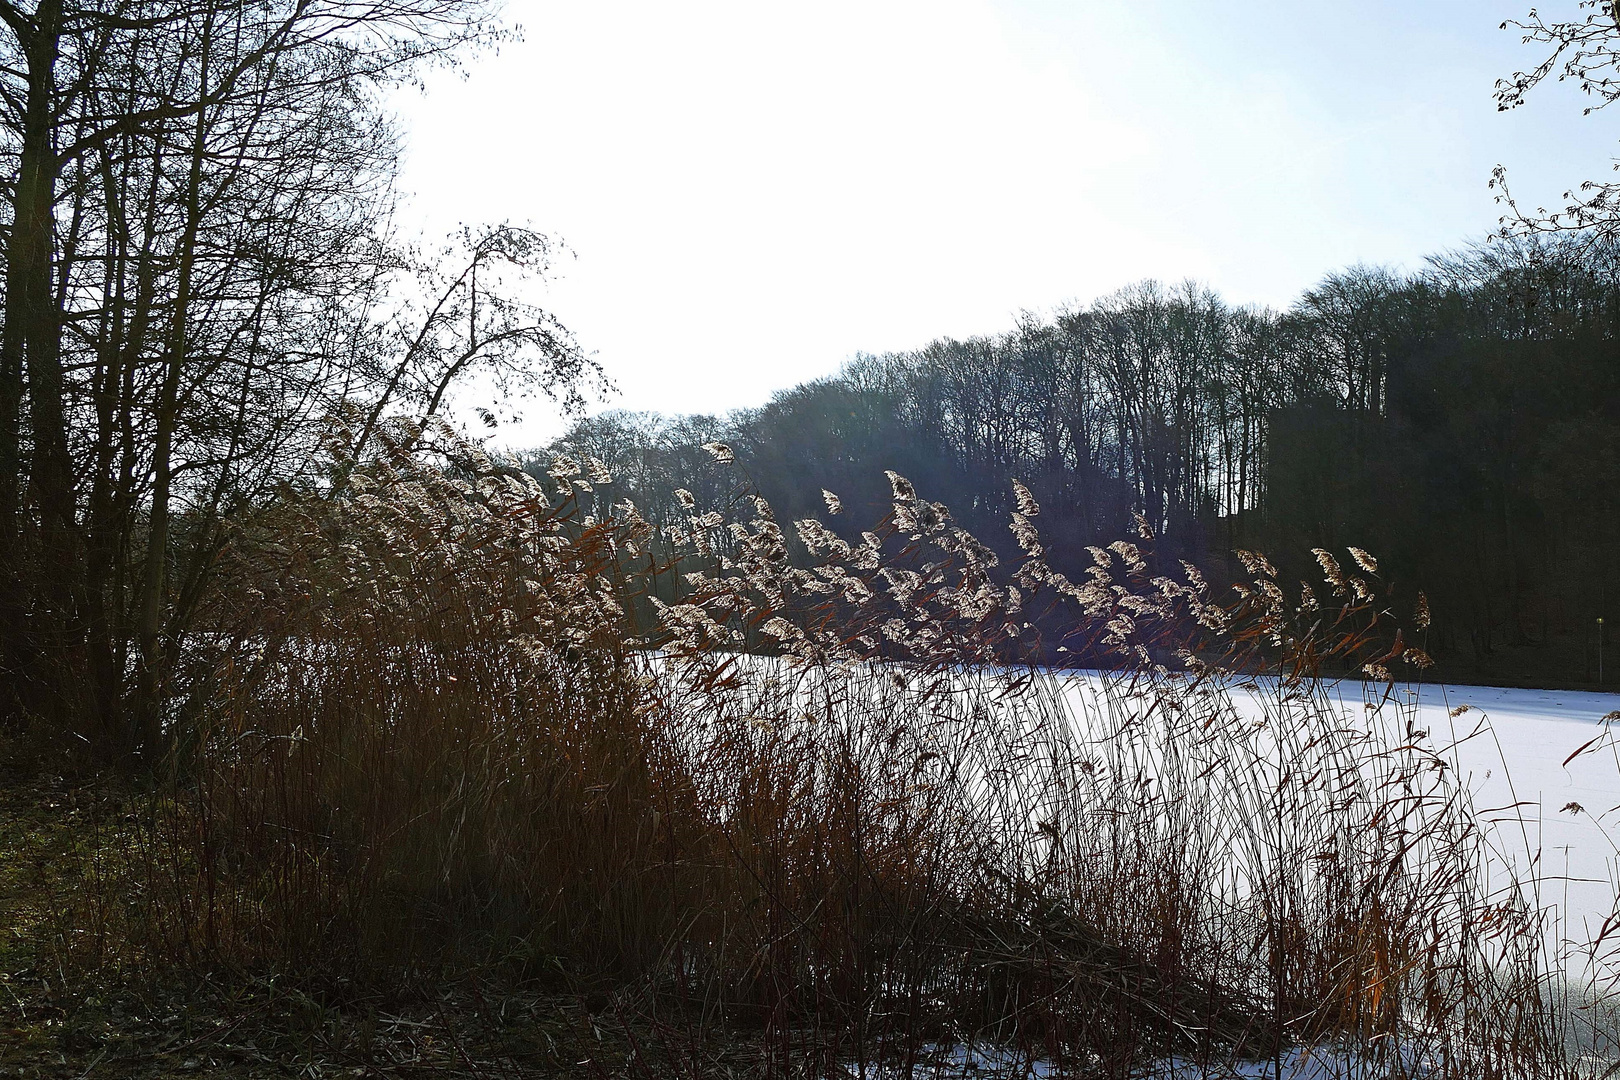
{"points": [[461, 726]]}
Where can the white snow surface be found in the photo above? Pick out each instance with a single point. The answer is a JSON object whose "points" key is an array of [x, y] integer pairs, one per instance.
{"points": [[1513, 748], [1553, 814]]}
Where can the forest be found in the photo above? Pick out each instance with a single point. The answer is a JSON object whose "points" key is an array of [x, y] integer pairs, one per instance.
{"points": [[1461, 422]]}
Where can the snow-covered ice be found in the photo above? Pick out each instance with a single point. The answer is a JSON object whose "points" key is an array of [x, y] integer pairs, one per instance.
{"points": [[1566, 812]]}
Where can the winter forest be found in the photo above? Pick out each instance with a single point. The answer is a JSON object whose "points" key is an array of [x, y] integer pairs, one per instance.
{"points": [[1461, 422]]}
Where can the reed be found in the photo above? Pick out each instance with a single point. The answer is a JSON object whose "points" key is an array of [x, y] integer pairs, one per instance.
{"points": [[855, 810]]}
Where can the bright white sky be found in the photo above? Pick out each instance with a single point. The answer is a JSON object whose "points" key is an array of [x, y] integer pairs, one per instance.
{"points": [[755, 190]]}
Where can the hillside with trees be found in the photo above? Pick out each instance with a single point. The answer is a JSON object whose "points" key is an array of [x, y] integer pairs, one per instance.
{"points": [[1463, 423]]}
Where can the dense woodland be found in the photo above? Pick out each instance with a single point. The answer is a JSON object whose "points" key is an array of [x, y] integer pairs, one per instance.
{"points": [[1463, 423]]}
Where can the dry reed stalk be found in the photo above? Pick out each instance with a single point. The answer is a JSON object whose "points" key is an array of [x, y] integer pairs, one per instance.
{"points": [[464, 722]]}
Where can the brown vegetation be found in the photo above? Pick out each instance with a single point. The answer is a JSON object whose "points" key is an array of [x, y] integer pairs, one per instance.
{"points": [[462, 729]]}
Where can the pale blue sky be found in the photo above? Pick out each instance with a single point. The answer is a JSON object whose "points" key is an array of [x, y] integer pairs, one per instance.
{"points": [[755, 191]]}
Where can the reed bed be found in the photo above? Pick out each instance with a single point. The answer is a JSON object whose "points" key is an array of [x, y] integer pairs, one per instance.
{"points": [[843, 807]]}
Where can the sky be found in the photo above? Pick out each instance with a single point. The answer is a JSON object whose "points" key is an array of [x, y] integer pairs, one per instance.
{"points": [[754, 191]]}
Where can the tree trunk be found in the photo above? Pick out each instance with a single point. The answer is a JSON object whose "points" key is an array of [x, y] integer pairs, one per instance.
{"points": [[154, 579], [39, 629]]}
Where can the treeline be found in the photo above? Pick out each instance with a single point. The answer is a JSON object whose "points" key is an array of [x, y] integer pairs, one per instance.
{"points": [[1462, 422]]}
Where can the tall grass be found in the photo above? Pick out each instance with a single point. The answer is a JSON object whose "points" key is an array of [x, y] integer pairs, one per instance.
{"points": [[464, 719]]}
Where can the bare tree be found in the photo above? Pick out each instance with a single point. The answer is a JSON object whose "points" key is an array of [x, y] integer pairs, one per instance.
{"points": [[200, 272], [1585, 51]]}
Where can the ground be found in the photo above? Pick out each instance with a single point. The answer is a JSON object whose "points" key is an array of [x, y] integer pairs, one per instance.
{"points": [[61, 1017]]}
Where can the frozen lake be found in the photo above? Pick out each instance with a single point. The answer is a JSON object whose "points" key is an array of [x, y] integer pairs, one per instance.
{"points": [[1511, 747], [1551, 811]]}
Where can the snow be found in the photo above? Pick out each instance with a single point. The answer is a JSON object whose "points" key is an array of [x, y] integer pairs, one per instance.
{"points": [[1553, 814], [1554, 821]]}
